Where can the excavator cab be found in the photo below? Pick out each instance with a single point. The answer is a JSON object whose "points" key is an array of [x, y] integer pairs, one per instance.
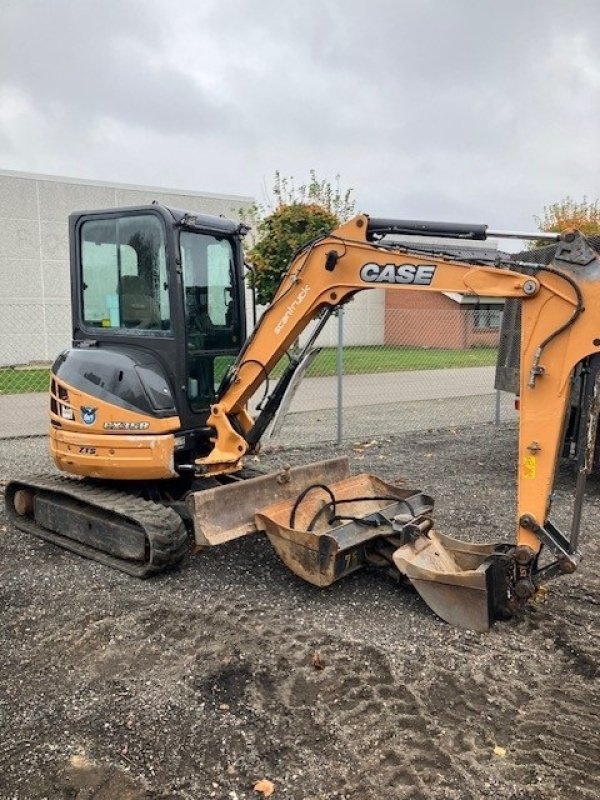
{"points": [[158, 317]]}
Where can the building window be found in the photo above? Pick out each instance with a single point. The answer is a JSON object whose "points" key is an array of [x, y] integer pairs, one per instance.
{"points": [[487, 317]]}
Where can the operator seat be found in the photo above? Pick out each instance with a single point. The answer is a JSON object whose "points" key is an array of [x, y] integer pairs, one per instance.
{"points": [[138, 308]]}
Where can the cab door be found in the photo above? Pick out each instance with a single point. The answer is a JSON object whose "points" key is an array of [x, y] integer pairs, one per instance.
{"points": [[212, 312]]}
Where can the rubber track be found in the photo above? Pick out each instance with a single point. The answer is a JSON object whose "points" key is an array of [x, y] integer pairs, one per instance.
{"points": [[164, 529]]}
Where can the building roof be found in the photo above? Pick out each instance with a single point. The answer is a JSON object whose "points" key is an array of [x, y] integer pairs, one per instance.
{"points": [[34, 176]]}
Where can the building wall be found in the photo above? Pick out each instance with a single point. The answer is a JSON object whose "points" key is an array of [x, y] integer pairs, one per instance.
{"points": [[428, 319], [423, 319], [35, 317], [478, 338]]}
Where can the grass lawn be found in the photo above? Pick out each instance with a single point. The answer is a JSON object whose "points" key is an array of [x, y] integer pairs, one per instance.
{"points": [[357, 360], [378, 358], [21, 381]]}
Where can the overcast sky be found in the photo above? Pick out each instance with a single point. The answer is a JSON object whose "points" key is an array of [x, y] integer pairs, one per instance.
{"points": [[470, 110]]}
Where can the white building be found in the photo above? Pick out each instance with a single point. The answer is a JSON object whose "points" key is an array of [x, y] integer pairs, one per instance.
{"points": [[35, 315]]}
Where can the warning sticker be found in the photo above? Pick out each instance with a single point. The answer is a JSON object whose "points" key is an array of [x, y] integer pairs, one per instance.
{"points": [[529, 466]]}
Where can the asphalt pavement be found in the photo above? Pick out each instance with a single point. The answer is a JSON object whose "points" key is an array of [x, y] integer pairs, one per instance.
{"points": [[383, 402]]}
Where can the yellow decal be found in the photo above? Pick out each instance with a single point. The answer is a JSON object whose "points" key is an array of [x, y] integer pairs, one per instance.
{"points": [[529, 465]]}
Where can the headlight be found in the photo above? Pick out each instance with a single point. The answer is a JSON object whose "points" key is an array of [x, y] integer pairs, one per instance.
{"points": [[67, 413]]}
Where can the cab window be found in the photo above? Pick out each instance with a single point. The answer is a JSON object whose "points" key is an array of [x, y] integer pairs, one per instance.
{"points": [[207, 264], [210, 313], [124, 273]]}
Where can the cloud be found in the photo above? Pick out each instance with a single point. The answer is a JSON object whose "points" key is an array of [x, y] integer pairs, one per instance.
{"points": [[479, 111]]}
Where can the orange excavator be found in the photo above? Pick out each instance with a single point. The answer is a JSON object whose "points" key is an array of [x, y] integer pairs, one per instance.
{"points": [[150, 419]]}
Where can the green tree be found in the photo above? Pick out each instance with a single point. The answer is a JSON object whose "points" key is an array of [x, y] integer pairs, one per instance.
{"points": [[281, 234], [568, 213], [314, 193], [295, 216]]}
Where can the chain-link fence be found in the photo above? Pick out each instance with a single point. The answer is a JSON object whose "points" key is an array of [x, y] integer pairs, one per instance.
{"points": [[431, 368], [380, 371], [26, 352]]}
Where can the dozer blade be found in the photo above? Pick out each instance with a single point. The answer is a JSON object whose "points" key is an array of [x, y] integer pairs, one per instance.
{"points": [[227, 512], [465, 584]]}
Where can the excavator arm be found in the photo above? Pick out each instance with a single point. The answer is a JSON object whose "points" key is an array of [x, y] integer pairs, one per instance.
{"points": [[557, 335]]}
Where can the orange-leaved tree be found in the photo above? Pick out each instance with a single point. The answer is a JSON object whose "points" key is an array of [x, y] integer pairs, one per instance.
{"points": [[583, 215]]}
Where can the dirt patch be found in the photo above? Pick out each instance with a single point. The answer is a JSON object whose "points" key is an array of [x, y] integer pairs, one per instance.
{"points": [[199, 683]]}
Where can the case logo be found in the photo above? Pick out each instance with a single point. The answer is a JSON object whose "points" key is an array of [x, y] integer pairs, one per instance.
{"points": [[420, 275], [88, 415]]}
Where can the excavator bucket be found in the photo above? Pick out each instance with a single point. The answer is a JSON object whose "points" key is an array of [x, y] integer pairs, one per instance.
{"points": [[463, 583], [322, 550]]}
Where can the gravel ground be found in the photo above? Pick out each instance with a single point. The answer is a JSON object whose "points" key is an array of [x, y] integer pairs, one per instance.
{"points": [[199, 683], [301, 428]]}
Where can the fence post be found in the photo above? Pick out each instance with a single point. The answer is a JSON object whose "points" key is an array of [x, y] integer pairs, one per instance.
{"points": [[340, 375], [497, 417]]}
